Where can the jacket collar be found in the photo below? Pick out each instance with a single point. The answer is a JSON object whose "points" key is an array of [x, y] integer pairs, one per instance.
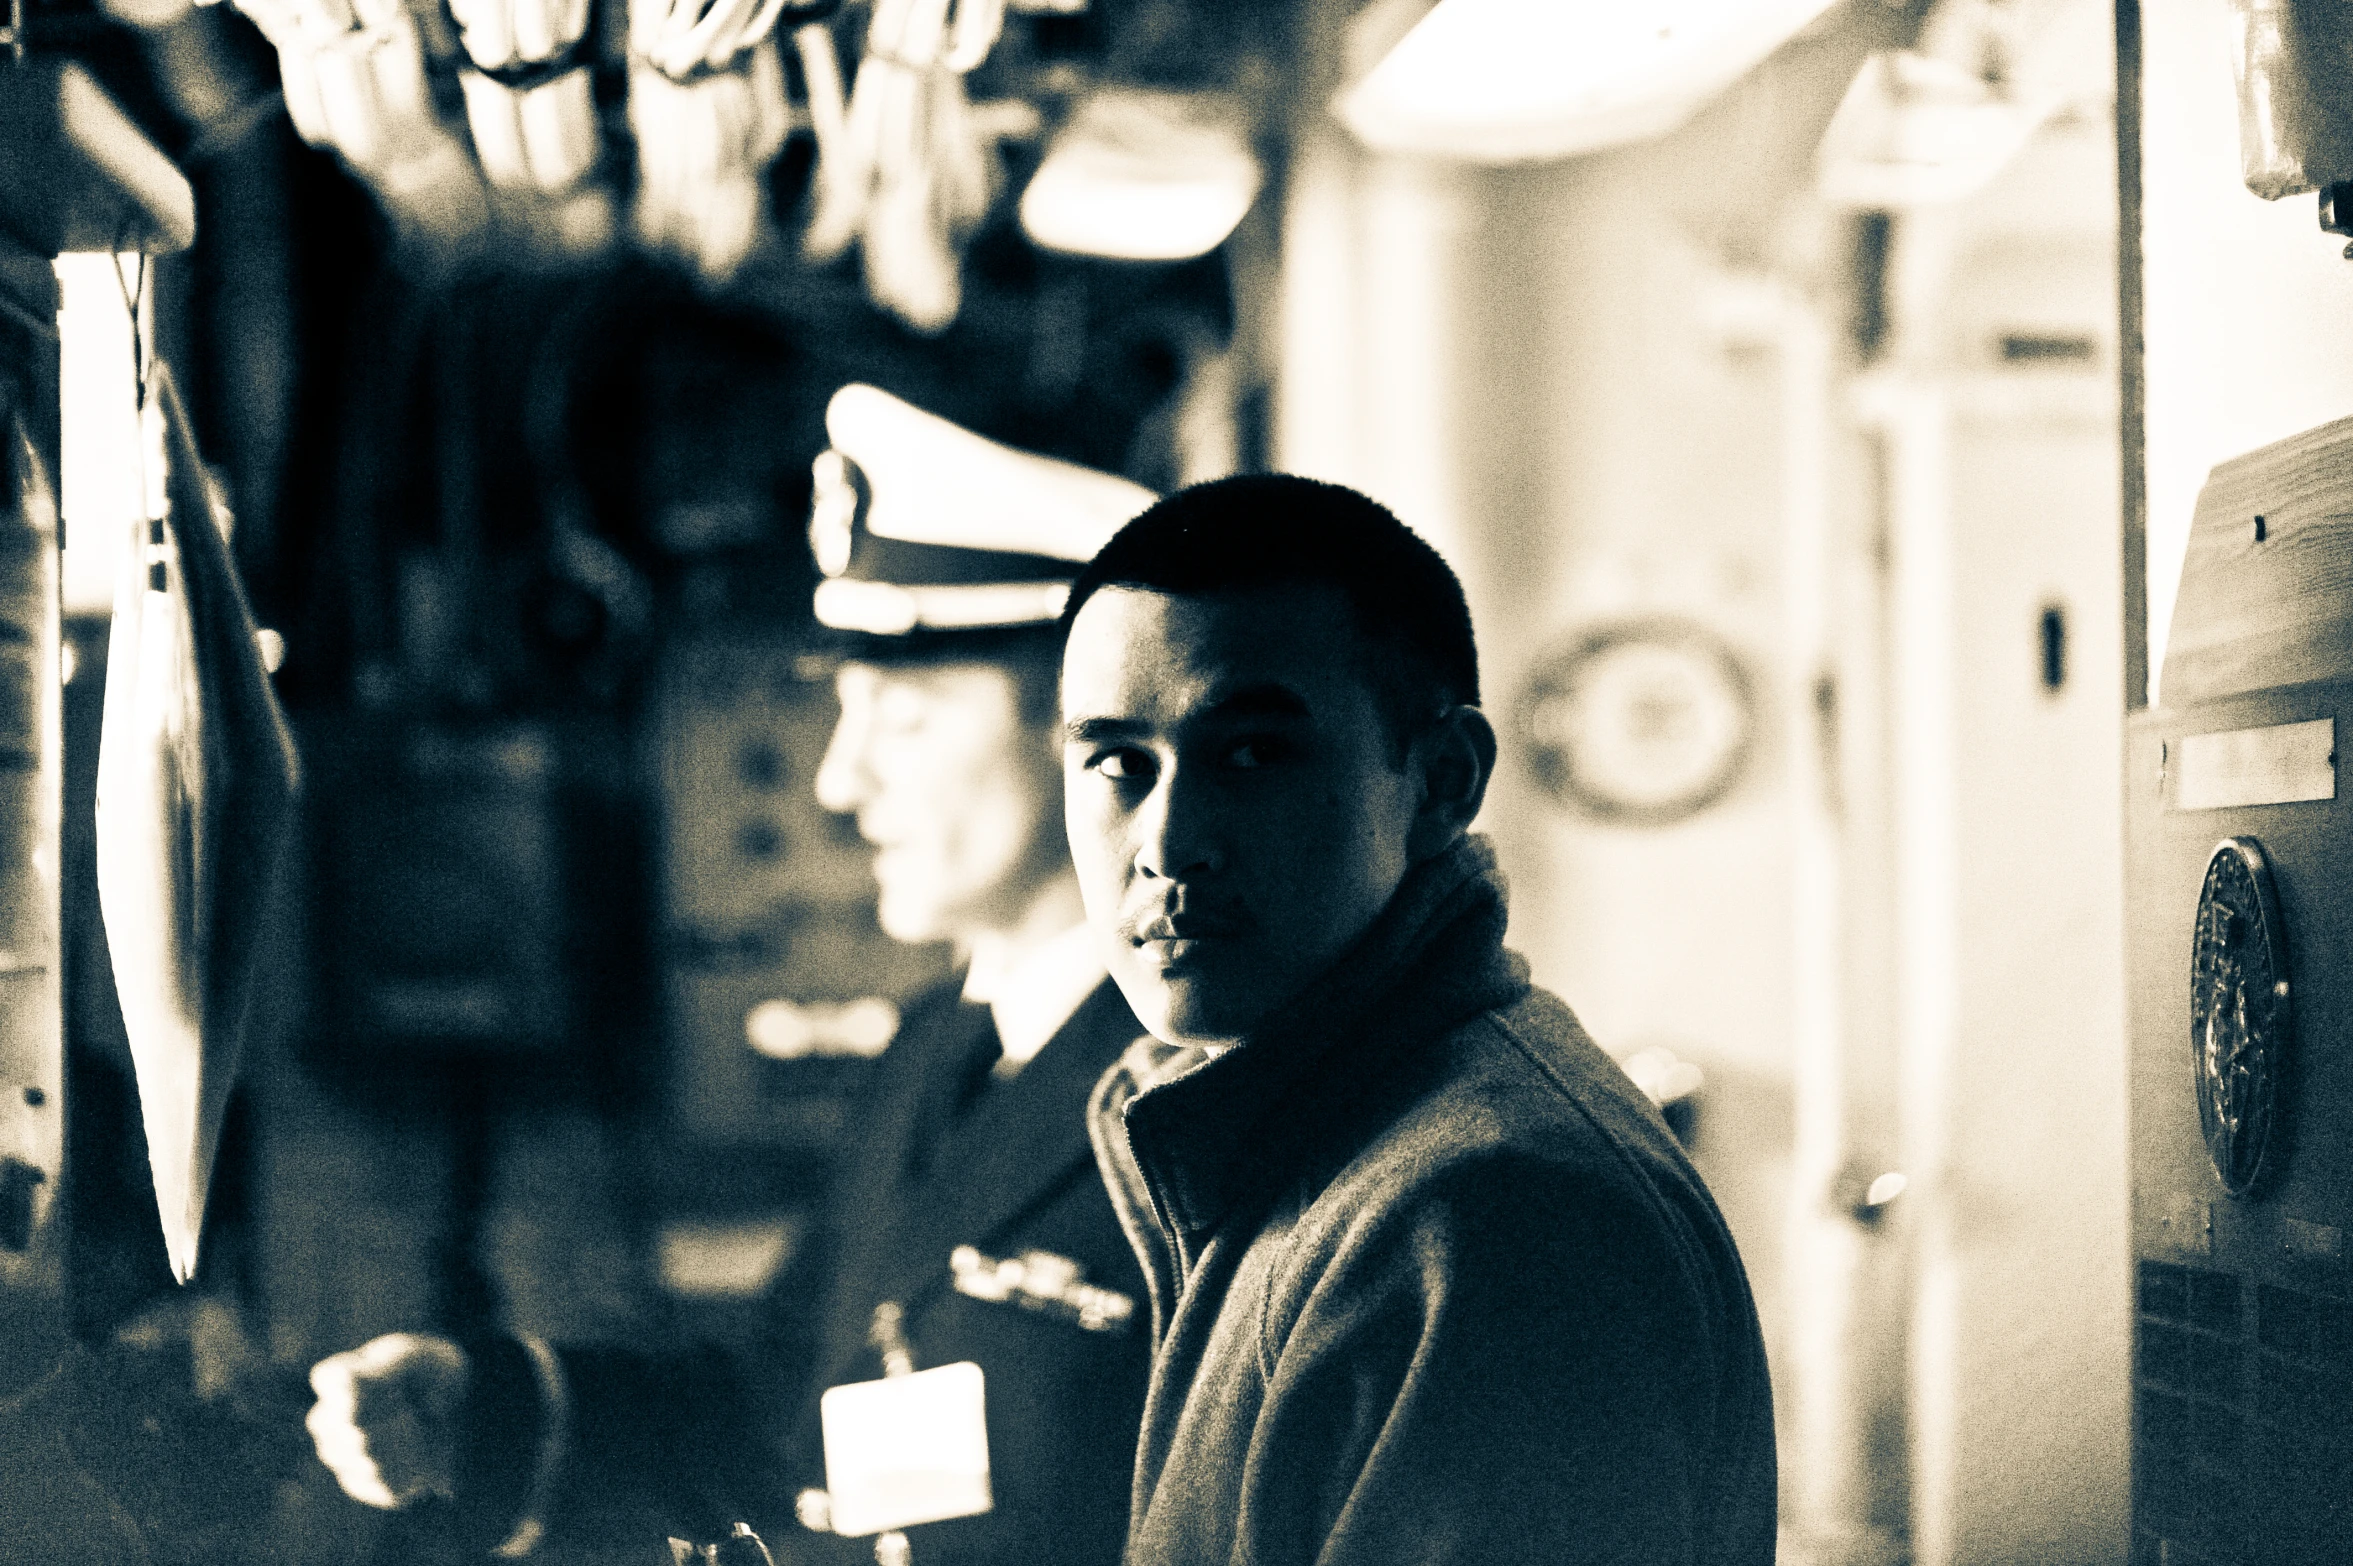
{"points": [[1206, 1131], [1032, 994]]}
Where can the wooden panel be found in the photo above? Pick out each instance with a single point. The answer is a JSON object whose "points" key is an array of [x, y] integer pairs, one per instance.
{"points": [[2267, 587]]}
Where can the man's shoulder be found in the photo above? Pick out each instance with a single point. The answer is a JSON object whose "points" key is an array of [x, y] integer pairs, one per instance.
{"points": [[1517, 1116], [1522, 1083]]}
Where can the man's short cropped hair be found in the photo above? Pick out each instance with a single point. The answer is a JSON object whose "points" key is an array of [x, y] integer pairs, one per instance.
{"points": [[1269, 529]]}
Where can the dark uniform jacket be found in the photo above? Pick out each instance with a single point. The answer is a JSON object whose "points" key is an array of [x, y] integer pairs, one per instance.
{"points": [[1431, 1281], [942, 1155]]}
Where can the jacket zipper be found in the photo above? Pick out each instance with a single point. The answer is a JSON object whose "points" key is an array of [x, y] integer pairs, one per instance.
{"points": [[1174, 1252]]}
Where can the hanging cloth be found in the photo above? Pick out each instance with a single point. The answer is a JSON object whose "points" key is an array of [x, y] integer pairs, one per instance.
{"points": [[196, 788]]}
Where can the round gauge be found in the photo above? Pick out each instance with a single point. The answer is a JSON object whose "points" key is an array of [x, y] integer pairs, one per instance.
{"points": [[2239, 1012], [1644, 722]]}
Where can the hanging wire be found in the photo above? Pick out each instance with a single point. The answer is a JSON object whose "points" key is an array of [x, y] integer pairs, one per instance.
{"points": [[134, 295]]}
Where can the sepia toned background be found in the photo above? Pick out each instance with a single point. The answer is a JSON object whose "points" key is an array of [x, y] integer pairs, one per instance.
{"points": [[1815, 400]]}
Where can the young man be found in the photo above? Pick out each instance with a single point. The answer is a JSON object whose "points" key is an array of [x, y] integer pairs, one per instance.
{"points": [[968, 1224], [1431, 1282]]}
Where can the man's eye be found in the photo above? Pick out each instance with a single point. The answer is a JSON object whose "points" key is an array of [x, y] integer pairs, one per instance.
{"points": [[1124, 765], [1256, 751], [899, 710]]}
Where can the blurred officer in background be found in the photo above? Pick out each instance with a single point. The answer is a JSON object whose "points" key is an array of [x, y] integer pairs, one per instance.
{"points": [[967, 1225], [1431, 1280]]}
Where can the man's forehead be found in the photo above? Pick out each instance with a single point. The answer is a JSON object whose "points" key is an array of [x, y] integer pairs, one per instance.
{"points": [[963, 683], [1268, 649], [912, 671]]}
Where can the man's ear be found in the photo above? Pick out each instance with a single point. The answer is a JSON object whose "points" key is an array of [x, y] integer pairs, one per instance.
{"points": [[1455, 757]]}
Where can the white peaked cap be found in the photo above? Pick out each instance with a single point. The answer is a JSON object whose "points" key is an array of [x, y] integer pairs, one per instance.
{"points": [[938, 483], [1001, 532]]}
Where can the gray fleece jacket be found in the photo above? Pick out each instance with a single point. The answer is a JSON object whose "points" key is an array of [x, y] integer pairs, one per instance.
{"points": [[1431, 1281]]}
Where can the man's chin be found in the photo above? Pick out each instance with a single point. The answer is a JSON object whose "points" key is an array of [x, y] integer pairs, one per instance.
{"points": [[910, 923], [1175, 1011]]}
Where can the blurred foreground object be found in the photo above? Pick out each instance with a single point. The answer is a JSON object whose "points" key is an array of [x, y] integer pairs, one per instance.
{"points": [[681, 112], [1512, 81], [196, 781], [74, 171], [528, 98], [385, 1423]]}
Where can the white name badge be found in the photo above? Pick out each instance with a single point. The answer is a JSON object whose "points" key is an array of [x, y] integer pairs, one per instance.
{"points": [[907, 1449]]}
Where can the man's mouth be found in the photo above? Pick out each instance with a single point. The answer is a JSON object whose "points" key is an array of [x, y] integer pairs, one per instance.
{"points": [[1176, 934]]}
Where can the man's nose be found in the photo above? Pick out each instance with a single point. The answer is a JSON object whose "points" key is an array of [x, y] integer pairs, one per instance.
{"points": [[1178, 836], [844, 781]]}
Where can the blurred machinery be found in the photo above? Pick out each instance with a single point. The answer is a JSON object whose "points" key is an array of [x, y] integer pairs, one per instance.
{"points": [[555, 669], [31, 1037], [2239, 850], [534, 121], [778, 982], [563, 734], [76, 172], [582, 965]]}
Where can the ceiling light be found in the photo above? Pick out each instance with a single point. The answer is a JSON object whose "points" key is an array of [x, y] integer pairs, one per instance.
{"points": [[1915, 130], [1510, 81], [1143, 176]]}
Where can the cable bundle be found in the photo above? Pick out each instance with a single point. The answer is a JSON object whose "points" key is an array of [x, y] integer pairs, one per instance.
{"points": [[354, 77], [902, 165], [707, 105], [906, 163], [528, 94]]}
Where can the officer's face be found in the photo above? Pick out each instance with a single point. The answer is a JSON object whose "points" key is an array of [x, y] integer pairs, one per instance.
{"points": [[1237, 811], [954, 791]]}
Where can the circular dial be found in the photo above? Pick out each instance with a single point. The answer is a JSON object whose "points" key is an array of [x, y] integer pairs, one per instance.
{"points": [[2239, 1015], [1645, 723]]}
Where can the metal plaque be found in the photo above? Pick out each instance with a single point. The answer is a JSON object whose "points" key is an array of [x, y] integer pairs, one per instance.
{"points": [[2280, 765]]}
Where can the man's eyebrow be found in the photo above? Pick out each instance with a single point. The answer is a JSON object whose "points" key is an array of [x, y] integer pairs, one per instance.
{"points": [[1095, 731]]}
